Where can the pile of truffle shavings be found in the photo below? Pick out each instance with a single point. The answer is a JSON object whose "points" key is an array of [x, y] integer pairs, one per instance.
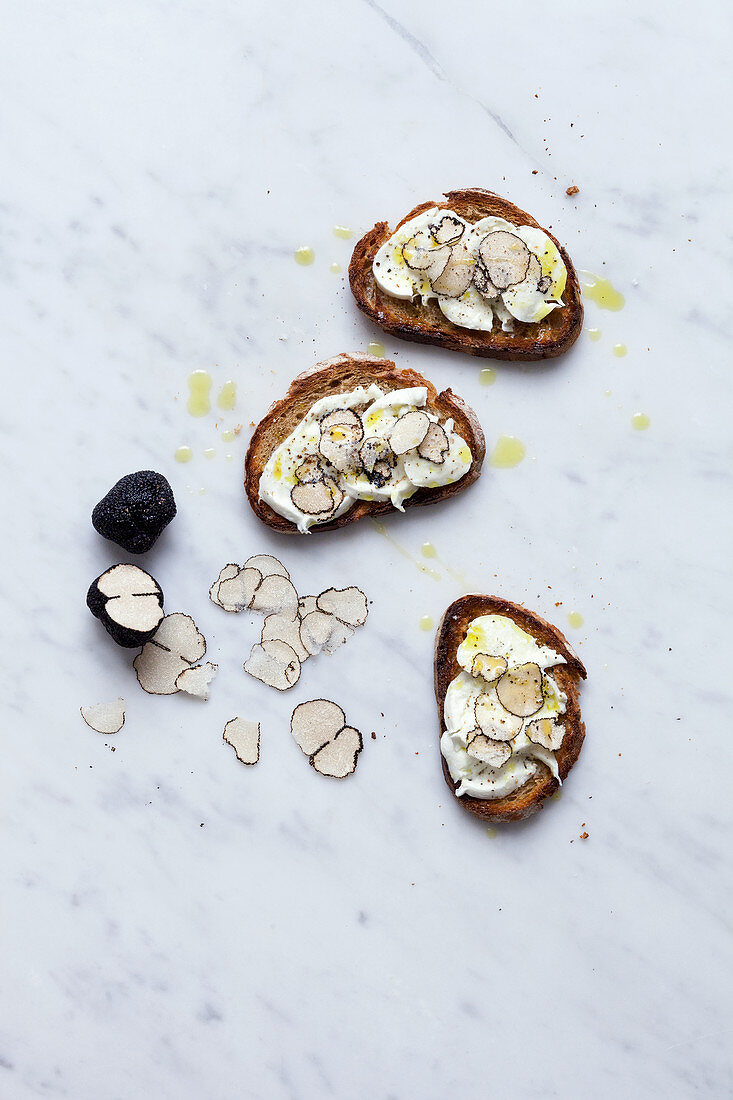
{"points": [[295, 627]]}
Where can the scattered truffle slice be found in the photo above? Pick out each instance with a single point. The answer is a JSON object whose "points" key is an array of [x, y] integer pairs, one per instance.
{"points": [[455, 278], [505, 257], [341, 433], [520, 690], [483, 749], [135, 511], [237, 593], [546, 732], [420, 254], [176, 645], [376, 450], [309, 470], [226, 574], [284, 629], [340, 633], [315, 631], [434, 446], [349, 605], [488, 668], [105, 717], [266, 565], [128, 602], [315, 724], [448, 230], [339, 758], [276, 595], [494, 721], [195, 680], [306, 604], [275, 663], [244, 737], [409, 431]]}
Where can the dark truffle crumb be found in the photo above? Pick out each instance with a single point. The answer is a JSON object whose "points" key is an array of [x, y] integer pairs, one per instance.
{"points": [[135, 511]]}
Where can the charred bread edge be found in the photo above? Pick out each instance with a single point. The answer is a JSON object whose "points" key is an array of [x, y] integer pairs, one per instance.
{"points": [[528, 798], [336, 375], [556, 336]]}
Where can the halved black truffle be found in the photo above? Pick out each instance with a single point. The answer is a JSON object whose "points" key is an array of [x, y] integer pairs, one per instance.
{"points": [[135, 511], [129, 604]]}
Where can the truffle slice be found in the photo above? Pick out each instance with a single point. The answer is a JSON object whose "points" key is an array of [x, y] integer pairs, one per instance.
{"points": [[229, 571], [338, 759], [409, 431], [544, 284], [317, 498], [274, 663], [306, 604], [546, 732], [195, 679], [276, 595], [244, 737], [455, 278], [349, 605], [341, 433], [482, 748], [520, 689], [315, 631], [105, 717], [309, 470], [282, 628], [234, 591], [266, 565], [483, 283], [420, 254], [375, 450], [315, 724], [492, 720], [434, 446], [128, 602], [488, 668], [175, 646], [505, 257], [448, 230], [135, 511]]}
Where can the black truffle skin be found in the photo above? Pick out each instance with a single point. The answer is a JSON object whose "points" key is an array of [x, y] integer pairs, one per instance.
{"points": [[123, 635], [135, 511]]}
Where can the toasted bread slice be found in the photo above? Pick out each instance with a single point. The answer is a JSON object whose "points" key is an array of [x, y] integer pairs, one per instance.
{"points": [[339, 375], [528, 798], [427, 325]]}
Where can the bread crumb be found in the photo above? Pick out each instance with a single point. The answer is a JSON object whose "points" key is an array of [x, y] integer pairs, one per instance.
{"points": [[584, 836], [572, 190]]}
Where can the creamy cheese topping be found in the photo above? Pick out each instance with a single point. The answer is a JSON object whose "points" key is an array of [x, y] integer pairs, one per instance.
{"points": [[497, 636], [394, 477], [529, 299]]}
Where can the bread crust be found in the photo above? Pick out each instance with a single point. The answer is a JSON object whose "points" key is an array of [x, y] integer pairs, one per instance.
{"points": [[427, 325], [338, 375], [528, 798]]}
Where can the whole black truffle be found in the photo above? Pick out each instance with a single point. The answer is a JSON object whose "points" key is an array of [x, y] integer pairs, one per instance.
{"points": [[128, 602], [135, 511]]}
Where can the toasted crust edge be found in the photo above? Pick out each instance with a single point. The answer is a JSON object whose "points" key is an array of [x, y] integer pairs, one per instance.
{"points": [[530, 797], [426, 324], [333, 376]]}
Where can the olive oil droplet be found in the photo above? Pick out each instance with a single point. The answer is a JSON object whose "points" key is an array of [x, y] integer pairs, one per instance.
{"points": [[600, 291], [335, 268], [594, 333], [227, 398], [575, 619], [428, 550], [343, 231], [640, 421], [199, 387], [227, 435], [209, 452], [509, 451], [304, 255], [426, 623], [619, 350], [183, 454], [487, 376], [376, 349]]}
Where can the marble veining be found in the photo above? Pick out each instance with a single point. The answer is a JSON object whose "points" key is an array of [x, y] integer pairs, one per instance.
{"points": [[179, 925]]}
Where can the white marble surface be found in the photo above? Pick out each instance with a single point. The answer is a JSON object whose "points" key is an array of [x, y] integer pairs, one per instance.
{"points": [[176, 925]]}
